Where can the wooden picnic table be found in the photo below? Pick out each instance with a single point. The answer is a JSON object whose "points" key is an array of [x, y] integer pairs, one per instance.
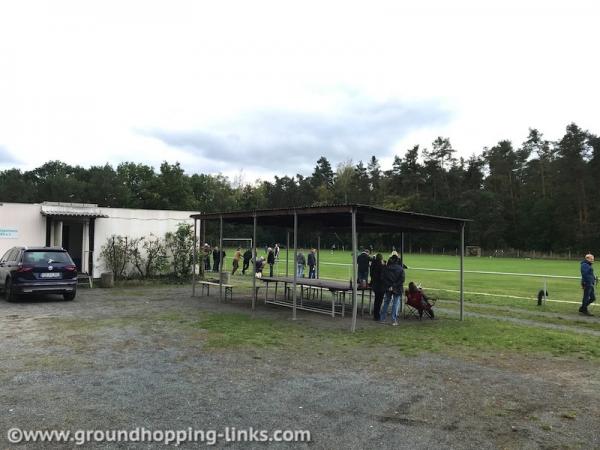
{"points": [[336, 287]]}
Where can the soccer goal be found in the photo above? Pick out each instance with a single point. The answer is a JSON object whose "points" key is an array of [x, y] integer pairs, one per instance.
{"points": [[237, 242]]}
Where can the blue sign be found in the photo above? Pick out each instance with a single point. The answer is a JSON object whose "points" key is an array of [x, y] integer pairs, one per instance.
{"points": [[9, 233]]}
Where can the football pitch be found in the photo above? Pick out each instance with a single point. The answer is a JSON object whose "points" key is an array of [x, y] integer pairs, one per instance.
{"points": [[508, 282]]}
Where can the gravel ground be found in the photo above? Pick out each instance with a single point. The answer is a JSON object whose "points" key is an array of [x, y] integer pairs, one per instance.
{"points": [[105, 362]]}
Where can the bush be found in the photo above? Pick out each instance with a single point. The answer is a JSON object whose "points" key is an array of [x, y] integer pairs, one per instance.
{"points": [[148, 257], [115, 254], [181, 246], [151, 260]]}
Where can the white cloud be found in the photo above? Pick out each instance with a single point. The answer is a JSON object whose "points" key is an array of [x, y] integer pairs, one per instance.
{"points": [[289, 142], [78, 80]]}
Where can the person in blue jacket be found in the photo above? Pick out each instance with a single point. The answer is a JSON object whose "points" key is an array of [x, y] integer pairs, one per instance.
{"points": [[588, 280]]}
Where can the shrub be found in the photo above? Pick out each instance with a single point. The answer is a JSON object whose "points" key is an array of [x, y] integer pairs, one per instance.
{"points": [[115, 254], [181, 246], [151, 259]]}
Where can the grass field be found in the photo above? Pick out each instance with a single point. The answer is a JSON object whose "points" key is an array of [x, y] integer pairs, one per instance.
{"points": [[493, 282]]}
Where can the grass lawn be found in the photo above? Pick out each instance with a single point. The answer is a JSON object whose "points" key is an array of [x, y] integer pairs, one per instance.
{"points": [[423, 269], [514, 284]]}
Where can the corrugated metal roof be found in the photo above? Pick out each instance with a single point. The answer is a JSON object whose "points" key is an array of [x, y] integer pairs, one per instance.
{"points": [[335, 215]]}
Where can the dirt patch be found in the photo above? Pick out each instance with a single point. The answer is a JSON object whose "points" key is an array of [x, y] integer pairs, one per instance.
{"points": [[124, 359]]}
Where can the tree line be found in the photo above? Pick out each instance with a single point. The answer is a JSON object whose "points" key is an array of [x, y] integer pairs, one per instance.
{"points": [[540, 195]]}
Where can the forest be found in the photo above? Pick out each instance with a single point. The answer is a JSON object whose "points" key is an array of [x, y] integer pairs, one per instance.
{"points": [[539, 195]]}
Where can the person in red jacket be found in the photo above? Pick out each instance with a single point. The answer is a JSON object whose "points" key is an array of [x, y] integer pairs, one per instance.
{"points": [[416, 298]]}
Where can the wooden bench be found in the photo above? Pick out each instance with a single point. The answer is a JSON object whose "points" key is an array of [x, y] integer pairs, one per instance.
{"points": [[208, 284]]}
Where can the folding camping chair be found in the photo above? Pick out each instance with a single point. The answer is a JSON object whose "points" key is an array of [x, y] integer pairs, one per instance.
{"points": [[414, 300]]}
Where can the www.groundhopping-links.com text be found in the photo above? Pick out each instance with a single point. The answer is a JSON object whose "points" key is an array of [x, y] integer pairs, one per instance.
{"points": [[167, 437]]}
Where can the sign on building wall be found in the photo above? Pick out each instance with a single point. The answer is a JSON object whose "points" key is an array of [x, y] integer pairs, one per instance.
{"points": [[9, 233]]}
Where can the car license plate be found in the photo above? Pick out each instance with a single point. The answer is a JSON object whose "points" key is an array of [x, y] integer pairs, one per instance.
{"points": [[50, 275]]}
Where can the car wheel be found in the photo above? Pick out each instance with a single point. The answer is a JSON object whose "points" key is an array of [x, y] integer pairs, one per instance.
{"points": [[69, 295], [9, 292]]}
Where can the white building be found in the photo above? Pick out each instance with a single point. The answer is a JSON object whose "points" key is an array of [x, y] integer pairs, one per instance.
{"points": [[81, 228]]}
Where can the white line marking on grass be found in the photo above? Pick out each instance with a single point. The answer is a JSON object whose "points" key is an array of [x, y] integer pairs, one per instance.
{"points": [[487, 273], [475, 271], [504, 296], [498, 273]]}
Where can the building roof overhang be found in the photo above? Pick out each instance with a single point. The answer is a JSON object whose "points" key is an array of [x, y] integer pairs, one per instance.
{"points": [[59, 209]]}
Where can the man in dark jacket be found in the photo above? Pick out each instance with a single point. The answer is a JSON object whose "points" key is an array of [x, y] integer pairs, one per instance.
{"points": [[270, 260], [206, 255], [363, 267], [247, 257], [393, 283], [218, 256], [311, 260], [588, 280], [216, 259]]}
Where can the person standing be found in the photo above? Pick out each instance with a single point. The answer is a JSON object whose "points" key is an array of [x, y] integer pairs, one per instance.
{"points": [[270, 260], [222, 258], [277, 250], [216, 259], [300, 263], [311, 260], [247, 258], [236, 260], [259, 266], [588, 280], [393, 283], [377, 269], [206, 255], [363, 267]]}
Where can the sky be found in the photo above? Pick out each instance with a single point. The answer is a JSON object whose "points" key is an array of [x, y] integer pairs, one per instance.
{"points": [[263, 88]]}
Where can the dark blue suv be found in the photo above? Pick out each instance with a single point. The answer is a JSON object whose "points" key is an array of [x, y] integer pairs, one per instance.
{"points": [[44, 270]]}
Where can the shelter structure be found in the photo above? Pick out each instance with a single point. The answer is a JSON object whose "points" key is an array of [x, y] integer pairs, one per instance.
{"points": [[352, 217]]}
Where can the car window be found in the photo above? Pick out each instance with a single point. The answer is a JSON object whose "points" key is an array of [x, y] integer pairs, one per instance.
{"points": [[46, 257]]}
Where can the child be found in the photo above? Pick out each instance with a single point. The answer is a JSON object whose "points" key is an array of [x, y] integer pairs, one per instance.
{"points": [[416, 298]]}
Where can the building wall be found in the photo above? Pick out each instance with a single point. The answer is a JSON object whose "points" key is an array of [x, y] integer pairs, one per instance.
{"points": [[30, 226], [28, 222], [134, 223]]}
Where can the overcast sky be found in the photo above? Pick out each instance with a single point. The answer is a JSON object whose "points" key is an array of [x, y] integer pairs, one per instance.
{"points": [[266, 87]]}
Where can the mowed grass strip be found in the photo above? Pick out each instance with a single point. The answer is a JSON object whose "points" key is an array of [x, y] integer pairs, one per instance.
{"points": [[447, 336]]}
